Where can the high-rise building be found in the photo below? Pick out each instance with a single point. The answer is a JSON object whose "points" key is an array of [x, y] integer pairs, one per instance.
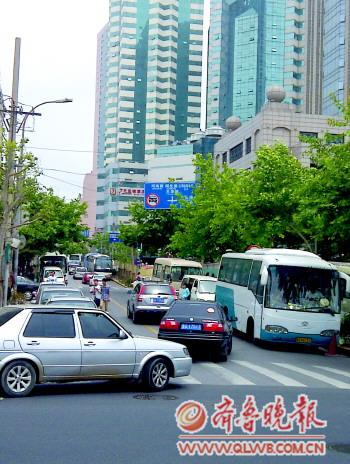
{"points": [[336, 53], [91, 192], [254, 45], [154, 74]]}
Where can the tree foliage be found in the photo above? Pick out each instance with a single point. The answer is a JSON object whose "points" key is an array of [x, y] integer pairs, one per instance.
{"points": [[152, 229], [53, 224]]}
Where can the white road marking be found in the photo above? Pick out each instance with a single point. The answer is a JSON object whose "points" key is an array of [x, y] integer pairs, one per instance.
{"points": [[315, 375], [334, 371], [280, 378], [189, 380], [226, 374]]}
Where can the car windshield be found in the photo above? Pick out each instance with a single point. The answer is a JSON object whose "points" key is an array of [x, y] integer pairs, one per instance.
{"points": [[80, 269], [50, 293], [72, 303], [58, 273], [302, 289], [103, 263], [177, 272], [207, 286], [206, 311], [74, 258], [157, 290]]}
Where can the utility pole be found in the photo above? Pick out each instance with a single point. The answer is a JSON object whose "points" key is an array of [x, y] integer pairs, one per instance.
{"points": [[9, 182]]}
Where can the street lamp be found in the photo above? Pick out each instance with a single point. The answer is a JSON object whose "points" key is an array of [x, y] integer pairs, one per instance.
{"points": [[31, 113], [23, 127]]}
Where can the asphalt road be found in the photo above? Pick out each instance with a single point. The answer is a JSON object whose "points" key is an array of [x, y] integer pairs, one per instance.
{"points": [[105, 422]]}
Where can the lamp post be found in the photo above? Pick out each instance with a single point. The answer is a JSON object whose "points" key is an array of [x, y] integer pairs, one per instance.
{"points": [[22, 127]]}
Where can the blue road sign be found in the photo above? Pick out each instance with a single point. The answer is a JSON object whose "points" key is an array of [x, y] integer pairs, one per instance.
{"points": [[161, 195], [86, 233], [114, 237]]}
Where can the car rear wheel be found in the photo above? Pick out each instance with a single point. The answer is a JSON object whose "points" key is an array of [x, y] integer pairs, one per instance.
{"points": [[128, 313], [18, 379], [156, 374]]}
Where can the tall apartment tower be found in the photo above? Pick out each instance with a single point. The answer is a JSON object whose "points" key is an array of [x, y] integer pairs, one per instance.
{"points": [[256, 44], [153, 94], [90, 188], [154, 75], [336, 61]]}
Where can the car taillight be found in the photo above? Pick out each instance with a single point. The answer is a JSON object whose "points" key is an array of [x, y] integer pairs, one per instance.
{"points": [[213, 326], [169, 324], [173, 291], [140, 295]]}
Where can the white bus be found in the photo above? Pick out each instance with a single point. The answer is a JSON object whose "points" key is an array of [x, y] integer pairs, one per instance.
{"points": [[281, 295], [166, 269]]}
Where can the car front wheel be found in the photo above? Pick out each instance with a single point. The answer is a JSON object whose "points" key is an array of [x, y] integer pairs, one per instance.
{"points": [[156, 374], [18, 379]]}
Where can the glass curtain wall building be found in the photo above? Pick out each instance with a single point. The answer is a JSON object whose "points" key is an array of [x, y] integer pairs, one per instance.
{"points": [[253, 45], [154, 72], [336, 61]]}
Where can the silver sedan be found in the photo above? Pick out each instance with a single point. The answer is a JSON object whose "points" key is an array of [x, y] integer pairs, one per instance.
{"points": [[47, 344]]}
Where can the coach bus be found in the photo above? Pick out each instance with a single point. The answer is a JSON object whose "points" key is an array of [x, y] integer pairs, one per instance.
{"points": [[281, 295], [99, 263], [53, 259]]}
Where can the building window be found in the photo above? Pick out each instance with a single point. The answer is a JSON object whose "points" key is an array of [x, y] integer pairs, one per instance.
{"points": [[224, 158], [236, 152], [248, 145], [314, 135]]}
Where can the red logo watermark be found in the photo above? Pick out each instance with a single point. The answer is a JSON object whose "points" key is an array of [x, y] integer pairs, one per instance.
{"points": [[239, 428]]}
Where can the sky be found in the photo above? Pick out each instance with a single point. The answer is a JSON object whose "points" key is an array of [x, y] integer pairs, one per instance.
{"points": [[58, 60]]}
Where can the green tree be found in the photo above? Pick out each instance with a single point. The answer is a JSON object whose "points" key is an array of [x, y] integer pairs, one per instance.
{"points": [[53, 223], [151, 228]]}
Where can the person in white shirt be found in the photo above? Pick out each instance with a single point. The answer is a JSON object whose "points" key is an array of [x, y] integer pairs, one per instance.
{"points": [[95, 289], [52, 277]]}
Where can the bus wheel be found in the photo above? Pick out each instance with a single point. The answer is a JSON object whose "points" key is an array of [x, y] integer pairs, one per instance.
{"points": [[250, 330]]}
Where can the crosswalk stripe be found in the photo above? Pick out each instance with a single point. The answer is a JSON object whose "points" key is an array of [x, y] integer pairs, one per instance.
{"points": [[229, 376], [284, 380], [334, 371], [189, 379], [315, 375]]}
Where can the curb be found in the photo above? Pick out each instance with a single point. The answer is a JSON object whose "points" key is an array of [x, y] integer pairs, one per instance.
{"points": [[119, 283], [345, 350]]}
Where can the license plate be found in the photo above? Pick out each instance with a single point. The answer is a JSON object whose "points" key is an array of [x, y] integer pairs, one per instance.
{"points": [[303, 340], [158, 300], [191, 327]]}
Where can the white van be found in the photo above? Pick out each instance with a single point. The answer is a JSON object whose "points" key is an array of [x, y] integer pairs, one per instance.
{"points": [[201, 287]]}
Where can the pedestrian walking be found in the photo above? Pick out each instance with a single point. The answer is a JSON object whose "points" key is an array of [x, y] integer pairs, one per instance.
{"points": [[96, 291], [104, 295]]}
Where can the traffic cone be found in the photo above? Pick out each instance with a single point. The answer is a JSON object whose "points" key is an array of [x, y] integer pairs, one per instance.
{"points": [[332, 347]]}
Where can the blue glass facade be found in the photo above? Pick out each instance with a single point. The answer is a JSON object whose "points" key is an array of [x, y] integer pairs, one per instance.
{"points": [[253, 45], [336, 30]]}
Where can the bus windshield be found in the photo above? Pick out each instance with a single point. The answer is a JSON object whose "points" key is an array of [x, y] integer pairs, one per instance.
{"points": [[177, 272], [103, 263], [54, 260], [302, 289]]}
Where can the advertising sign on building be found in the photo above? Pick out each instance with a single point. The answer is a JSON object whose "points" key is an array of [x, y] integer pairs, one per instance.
{"points": [[161, 195], [133, 192]]}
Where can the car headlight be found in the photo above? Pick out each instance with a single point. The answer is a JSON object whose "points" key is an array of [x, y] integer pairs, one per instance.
{"points": [[329, 333], [276, 329], [187, 353]]}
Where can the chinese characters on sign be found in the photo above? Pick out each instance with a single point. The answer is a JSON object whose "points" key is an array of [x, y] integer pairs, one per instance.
{"points": [[127, 191], [238, 427], [161, 195]]}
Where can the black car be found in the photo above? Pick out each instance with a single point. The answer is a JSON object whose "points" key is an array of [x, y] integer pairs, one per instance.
{"points": [[198, 323], [26, 286]]}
